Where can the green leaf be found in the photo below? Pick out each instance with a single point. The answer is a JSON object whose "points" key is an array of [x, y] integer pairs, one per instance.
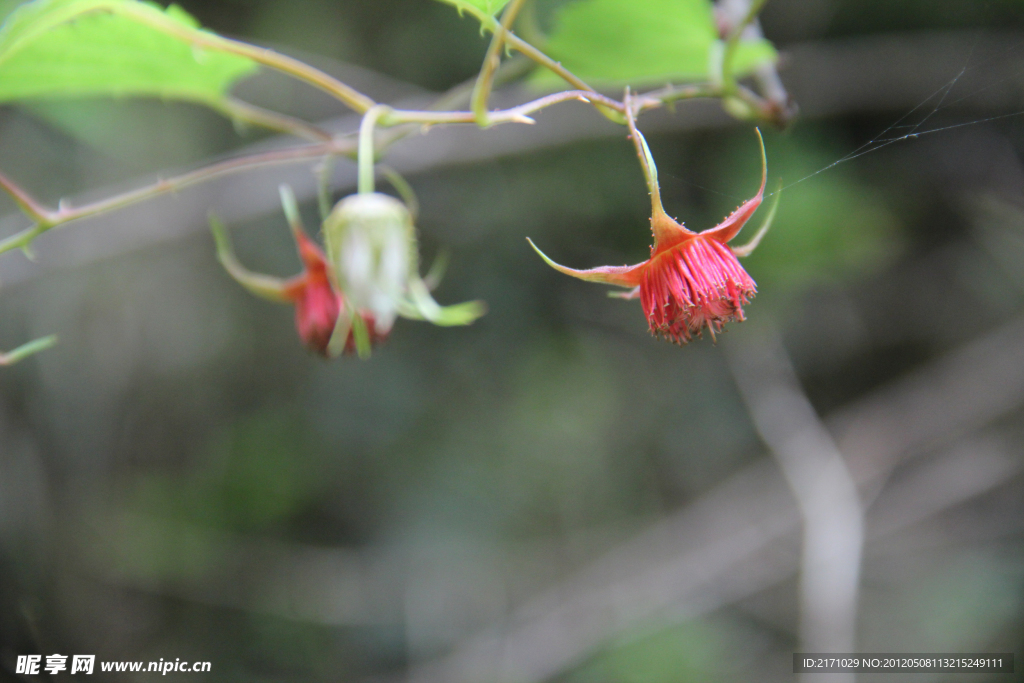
{"points": [[644, 41], [81, 48], [491, 7]]}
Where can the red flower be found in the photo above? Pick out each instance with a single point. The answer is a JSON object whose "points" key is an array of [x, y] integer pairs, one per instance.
{"points": [[697, 283], [692, 280], [316, 301]]}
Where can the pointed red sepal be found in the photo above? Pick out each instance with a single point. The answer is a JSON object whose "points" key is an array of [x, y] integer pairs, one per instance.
{"points": [[731, 226], [623, 276]]}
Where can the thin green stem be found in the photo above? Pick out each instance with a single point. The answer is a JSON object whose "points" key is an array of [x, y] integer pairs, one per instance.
{"points": [[323, 186], [26, 350], [46, 219], [673, 93], [241, 111], [404, 190], [22, 239], [509, 70], [264, 286], [518, 114], [529, 28], [367, 150], [29, 206], [540, 58], [732, 43], [492, 60], [520, 45], [643, 152]]}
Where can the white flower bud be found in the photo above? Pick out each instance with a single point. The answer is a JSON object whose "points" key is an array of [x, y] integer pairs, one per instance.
{"points": [[372, 243]]}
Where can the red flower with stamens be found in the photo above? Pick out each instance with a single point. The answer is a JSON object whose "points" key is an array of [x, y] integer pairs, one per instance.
{"points": [[692, 280], [696, 283]]}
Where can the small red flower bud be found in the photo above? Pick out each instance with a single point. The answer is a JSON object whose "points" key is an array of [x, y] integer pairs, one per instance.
{"points": [[316, 302], [314, 293]]}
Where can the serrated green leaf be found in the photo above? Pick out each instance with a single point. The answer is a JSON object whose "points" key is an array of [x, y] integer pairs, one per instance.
{"points": [[491, 7], [80, 48], [644, 41]]}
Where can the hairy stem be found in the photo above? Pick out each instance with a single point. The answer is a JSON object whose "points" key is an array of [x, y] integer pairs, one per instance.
{"points": [[33, 209], [643, 152], [520, 45], [46, 219], [517, 114], [675, 93]]}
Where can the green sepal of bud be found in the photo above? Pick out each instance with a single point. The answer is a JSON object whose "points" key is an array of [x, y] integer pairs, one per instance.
{"points": [[361, 335], [422, 306], [339, 337], [265, 286]]}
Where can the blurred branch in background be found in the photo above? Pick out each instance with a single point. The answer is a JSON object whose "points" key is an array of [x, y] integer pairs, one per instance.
{"points": [[833, 522], [739, 538], [734, 542]]}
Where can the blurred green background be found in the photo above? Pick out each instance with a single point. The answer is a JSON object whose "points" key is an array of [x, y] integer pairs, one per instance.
{"points": [[181, 479]]}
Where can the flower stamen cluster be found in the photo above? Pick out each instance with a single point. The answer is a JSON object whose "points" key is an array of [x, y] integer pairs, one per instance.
{"points": [[698, 284]]}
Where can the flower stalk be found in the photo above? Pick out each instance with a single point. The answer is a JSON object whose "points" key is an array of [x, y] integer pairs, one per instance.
{"points": [[367, 148]]}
